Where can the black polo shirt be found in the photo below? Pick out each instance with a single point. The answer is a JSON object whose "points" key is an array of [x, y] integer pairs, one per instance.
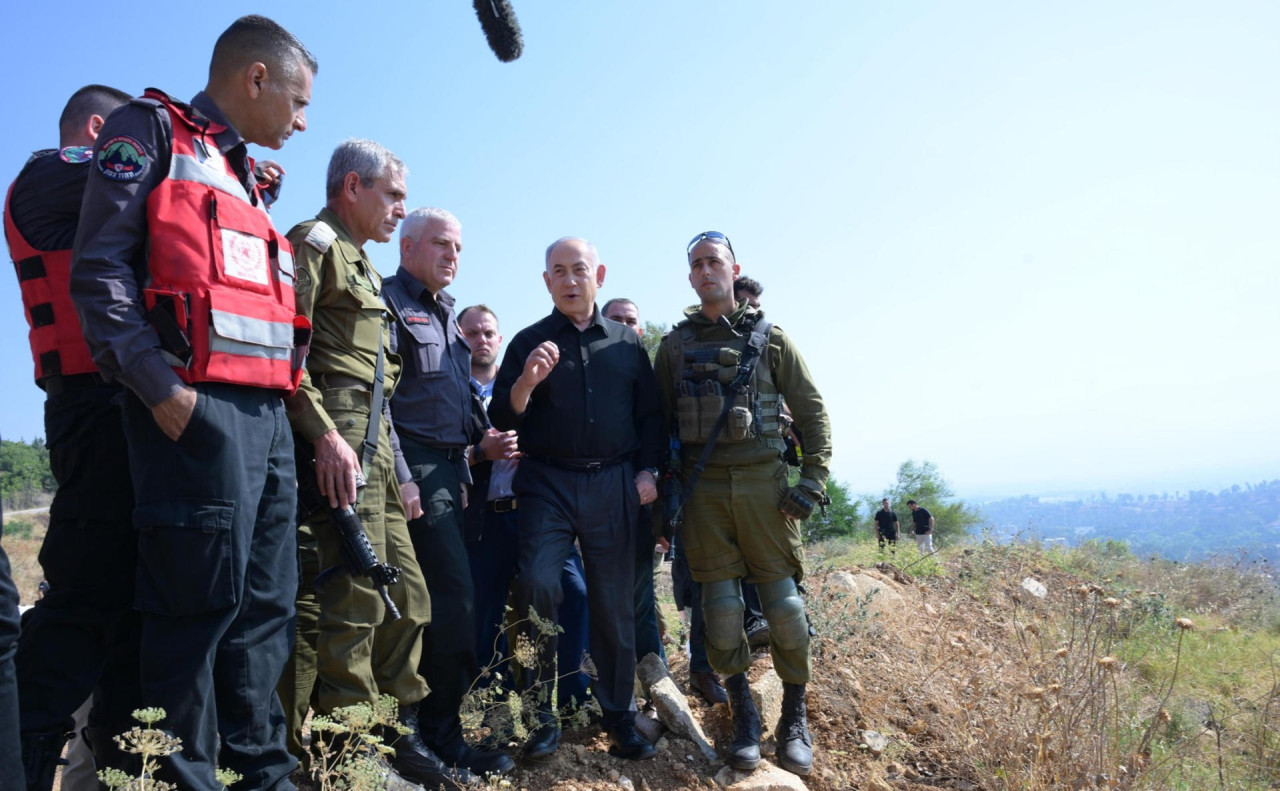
{"points": [[599, 402], [921, 517], [885, 520]]}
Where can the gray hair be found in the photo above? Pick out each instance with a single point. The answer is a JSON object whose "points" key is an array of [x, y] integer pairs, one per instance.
{"points": [[367, 159], [591, 248], [413, 225]]}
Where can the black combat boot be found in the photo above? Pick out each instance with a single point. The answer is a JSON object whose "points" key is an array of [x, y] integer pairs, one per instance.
{"points": [[41, 757], [744, 753], [415, 762], [795, 747]]}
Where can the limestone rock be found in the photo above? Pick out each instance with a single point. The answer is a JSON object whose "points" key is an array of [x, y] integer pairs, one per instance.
{"points": [[766, 777], [767, 693], [876, 742], [673, 712], [650, 670], [1035, 587], [858, 585]]}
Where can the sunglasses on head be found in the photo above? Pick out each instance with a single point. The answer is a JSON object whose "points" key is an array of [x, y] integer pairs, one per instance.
{"points": [[711, 236]]}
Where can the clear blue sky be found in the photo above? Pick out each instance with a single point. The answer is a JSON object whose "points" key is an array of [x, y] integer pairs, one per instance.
{"points": [[1034, 243]]}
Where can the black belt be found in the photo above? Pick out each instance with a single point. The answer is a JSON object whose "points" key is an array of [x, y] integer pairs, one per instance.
{"points": [[57, 384], [503, 504], [452, 454], [340, 382], [579, 465]]}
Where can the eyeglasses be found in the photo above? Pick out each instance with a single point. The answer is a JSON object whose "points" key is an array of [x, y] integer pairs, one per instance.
{"points": [[712, 236]]}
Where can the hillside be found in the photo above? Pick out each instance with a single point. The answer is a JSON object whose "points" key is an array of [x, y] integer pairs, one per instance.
{"points": [[998, 666]]}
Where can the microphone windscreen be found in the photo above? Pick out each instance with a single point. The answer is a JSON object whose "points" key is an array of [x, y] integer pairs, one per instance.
{"points": [[498, 20]]}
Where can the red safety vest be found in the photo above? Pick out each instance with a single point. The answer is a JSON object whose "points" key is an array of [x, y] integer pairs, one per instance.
{"points": [[219, 270], [44, 277]]}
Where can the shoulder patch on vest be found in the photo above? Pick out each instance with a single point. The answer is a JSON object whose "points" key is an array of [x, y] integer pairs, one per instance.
{"points": [[321, 236], [122, 158]]}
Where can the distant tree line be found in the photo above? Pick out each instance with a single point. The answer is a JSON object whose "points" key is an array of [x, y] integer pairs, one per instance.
{"points": [[25, 478], [1189, 526]]}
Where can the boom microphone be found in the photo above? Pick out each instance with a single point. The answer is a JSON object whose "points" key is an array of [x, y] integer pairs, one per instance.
{"points": [[498, 20]]}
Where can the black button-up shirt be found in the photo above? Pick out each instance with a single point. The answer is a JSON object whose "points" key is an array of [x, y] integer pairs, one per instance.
{"points": [[600, 401], [432, 402]]}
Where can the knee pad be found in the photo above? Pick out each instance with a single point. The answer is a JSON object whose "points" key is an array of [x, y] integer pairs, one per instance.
{"points": [[784, 610], [722, 610]]}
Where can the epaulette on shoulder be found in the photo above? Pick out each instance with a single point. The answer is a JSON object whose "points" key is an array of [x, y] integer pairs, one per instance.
{"points": [[321, 236]]}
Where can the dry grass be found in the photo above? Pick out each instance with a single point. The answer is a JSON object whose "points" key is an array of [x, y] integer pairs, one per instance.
{"points": [[23, 549]]}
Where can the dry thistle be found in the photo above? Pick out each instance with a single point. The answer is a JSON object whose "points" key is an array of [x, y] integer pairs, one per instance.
{"points": [[1185, 624], [1062, 653], [1111, 602], [1164, 716], [1109, 663]]}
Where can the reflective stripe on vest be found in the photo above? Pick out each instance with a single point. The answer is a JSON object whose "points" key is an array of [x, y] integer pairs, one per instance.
{"points": [[218, 255], [44, 278]]}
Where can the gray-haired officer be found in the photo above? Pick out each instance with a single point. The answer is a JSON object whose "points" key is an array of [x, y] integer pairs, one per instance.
{"points": [[435, 420], [341, 409], [723, 369]]}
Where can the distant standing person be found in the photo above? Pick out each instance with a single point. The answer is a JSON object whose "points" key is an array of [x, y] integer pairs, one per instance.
{"points": [[887, 527], [924, 527]]}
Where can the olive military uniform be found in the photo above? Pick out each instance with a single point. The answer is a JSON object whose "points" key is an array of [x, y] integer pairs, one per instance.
{"points": [[359, 654], [732, 528]]}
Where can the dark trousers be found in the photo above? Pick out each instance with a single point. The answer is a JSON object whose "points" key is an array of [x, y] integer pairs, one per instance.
{"points": [[83, 633], [448, 662], [217, 576], [599, 509], [753, 612], [648, 640], [11, 779], [688, 593], [492, 550]]}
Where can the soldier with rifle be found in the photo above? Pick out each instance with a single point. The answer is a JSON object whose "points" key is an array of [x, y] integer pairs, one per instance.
{"points": [[341, 419], [722, 373]]}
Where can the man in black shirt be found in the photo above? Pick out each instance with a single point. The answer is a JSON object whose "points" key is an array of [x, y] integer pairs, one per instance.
{"points": [[923, 527], [581, 391], [887, 527]]}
